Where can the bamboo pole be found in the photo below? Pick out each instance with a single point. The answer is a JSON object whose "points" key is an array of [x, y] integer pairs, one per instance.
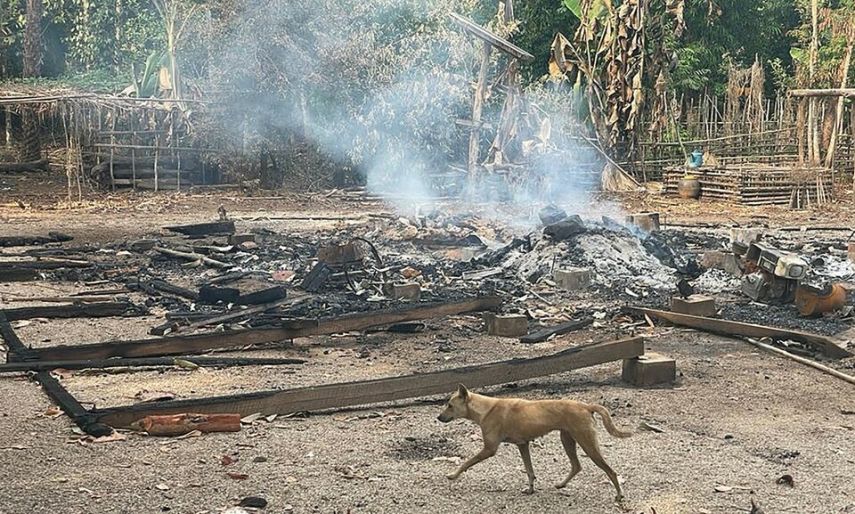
{"points": [[802, 360], [838, 112], [477, 107]]}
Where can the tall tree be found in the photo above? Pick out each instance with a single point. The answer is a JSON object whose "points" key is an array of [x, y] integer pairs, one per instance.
{"points": [[33, 39], [32, 148]]}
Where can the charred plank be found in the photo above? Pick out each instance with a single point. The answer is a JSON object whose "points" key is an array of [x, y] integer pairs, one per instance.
{"points": [[562, 328], [73, 310], [219, 362], [335, 396], [214, 228], [190, 344], [734, 328], [52, 237]]}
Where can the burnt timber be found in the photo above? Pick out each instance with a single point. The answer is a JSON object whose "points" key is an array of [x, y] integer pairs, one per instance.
{"points": [[190, 344], [51, 386], [734, 328], [348, 394]]}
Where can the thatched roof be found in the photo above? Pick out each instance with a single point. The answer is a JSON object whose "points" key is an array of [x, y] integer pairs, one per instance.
{"points": [[21, 94]]}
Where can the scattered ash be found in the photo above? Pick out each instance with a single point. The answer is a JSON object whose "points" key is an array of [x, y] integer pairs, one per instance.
{"points": [[715, 281], [784, 316], [779, 455], [425, 448]]}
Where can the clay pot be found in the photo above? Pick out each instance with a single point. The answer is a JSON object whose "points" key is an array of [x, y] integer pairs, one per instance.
{"points": [[689, 187]]}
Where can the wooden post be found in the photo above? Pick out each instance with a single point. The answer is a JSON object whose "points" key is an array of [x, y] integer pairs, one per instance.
{"points": [[112, 143], [156, 154], [800, 130], [838, 112], [8, 133], [477, 107]]}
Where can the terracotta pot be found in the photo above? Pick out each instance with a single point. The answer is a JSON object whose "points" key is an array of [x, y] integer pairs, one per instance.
{"points": [[689, 187]]}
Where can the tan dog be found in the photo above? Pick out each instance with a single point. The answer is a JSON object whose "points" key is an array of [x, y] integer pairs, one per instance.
{"points": [[521, 421]]}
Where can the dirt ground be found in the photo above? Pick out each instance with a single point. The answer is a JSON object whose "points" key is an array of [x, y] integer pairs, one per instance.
{"points": [[735, 421]]}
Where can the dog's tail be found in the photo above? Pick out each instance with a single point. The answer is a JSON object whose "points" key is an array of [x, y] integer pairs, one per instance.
{"points": [[607, 421]]}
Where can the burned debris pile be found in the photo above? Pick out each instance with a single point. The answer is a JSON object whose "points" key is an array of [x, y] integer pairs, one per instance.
{"points": [[222, 285]]}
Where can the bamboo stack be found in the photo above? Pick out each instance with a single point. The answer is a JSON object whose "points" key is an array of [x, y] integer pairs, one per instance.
{"points": [[754, 183]]}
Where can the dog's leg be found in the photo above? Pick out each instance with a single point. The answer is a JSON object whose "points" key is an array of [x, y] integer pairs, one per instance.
{"points": [[488, 451], [588, 442], [570, 447], [529, 470]]}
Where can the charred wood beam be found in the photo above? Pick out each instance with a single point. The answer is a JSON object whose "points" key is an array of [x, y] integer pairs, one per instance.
{"points": [[16, 167], [18, 275], [220, 362], [51, 386], [163, 286], [43, 265], [240, 313], [737, 329], [190, 344], [52, 237], [215, 228], [74, 310], [188, 256], [562, 328], [335, 396]]}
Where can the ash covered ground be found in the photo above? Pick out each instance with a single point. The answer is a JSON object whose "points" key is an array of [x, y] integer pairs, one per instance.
{"points": [[735, 421]]}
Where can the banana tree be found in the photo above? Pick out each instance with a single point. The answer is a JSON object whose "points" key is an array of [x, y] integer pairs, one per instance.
{"points": [[610, 57], [607, 54], [175, 15], [146, 84]]}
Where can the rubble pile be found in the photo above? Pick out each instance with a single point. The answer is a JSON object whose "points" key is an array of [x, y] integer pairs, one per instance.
{"points": [[436, 256]]}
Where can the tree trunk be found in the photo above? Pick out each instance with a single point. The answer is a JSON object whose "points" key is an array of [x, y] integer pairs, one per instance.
{"points": [[33, 39], [813, 146], [838, 113], [477, 106], [32, 150]]}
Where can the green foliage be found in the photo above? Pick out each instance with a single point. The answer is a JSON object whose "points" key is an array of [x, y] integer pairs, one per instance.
{"points": [[732, 29], [146, 86], [540, 20], [597, 9], [84, 35]]}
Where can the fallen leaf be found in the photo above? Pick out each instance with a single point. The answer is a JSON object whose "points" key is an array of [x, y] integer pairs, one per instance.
{"points": [[162, 487], [786, 480], [254, 502], [346, 472], [154, 396], [195, 433], [237, 476], [455, 460], [227, 460], [62, 373], [182, 363], [723, 488], [53, 412], [115, 436], [652, 427], [248, 420]]}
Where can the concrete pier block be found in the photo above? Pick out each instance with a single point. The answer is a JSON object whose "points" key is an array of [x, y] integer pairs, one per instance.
{"points": [[695, 305], [649, 369], [506, 325]]}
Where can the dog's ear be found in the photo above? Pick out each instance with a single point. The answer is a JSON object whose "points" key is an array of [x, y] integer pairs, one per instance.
{"points": [[462, 391]]}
